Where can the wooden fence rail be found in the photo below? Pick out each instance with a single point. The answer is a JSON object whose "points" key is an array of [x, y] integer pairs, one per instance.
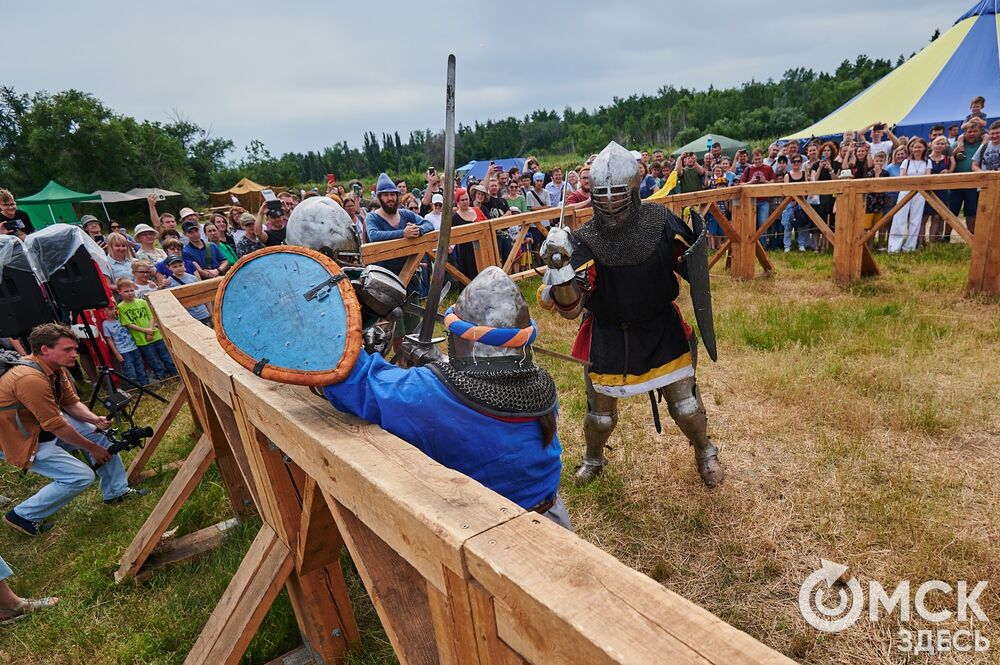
{"points": [[852, 258], [458, 574]]}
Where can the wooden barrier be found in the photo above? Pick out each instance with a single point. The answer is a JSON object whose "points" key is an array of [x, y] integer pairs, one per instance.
{"points": [[458, 574], [852, 256]]}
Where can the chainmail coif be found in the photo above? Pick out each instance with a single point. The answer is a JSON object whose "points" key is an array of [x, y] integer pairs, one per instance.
{"points": [[626, 244], [528, 392]]}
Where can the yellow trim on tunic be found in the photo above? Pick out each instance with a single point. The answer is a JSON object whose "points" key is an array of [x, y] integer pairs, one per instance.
{"points": [[632, 379]]}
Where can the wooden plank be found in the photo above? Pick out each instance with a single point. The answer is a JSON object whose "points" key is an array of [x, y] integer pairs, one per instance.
{"points": [[869, 267], [724, 221], [199, 293], [297, 656], [887, 217], [410, 267], [719, 253], [319, 541], [185, 548], [984, 270], [329, 630], [762, 258], [276, 495], [245, 602], [229, 430], [744, 247], [159, 431], [850, 230], [817, 220], [396, 588], [181, 487], [492, 650], [559, 599], [948, 216], [453, 626], [424, 516], [237, 485], [522, 233], [772, 218], [163, 468]]}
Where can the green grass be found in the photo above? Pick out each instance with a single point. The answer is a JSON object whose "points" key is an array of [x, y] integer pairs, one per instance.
{"points": [[858, 425]]}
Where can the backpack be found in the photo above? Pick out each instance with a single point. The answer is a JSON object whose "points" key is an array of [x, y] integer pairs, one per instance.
{"points": [[8, 360]]}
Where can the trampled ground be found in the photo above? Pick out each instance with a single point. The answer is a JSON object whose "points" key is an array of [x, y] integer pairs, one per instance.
{"points": [[857, 425]]}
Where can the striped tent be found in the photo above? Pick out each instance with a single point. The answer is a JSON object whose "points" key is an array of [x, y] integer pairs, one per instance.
{"points": [[934, 86]]}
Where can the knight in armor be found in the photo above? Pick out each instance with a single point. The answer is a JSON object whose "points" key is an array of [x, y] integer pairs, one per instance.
{"points": [[321, 224], [618, 270], [487, 411]]}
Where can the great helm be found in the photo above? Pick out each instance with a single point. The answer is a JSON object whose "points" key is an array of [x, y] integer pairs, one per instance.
{"points": [[489, 328], [319, 223], [614, 184]]}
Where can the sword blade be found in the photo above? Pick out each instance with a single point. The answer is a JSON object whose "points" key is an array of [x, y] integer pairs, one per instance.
{"points": [[444, 235]]}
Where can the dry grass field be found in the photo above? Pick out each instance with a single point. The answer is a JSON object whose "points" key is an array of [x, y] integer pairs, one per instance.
{"points": [[856, 425]]}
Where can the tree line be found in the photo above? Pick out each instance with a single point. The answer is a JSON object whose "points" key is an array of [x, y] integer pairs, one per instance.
{"points": [[74, 138]]}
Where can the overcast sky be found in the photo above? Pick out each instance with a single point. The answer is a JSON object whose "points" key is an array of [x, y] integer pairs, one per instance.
{"points": [[301, 76]]}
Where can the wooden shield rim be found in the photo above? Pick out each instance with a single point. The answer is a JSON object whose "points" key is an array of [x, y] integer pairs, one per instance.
{"points": [[352, 337]]}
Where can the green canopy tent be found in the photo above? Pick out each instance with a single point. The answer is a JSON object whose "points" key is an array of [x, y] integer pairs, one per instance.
{"points": [[53, 204], [700, 146]]}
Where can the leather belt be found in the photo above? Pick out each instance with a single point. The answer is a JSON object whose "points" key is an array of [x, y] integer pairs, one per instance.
{"points": [[545, 506]]}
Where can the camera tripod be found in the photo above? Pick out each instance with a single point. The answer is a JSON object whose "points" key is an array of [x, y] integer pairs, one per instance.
{"points": [[116, 399]]}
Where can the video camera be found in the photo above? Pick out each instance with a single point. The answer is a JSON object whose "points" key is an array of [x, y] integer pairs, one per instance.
{"points": [[125, 434]]}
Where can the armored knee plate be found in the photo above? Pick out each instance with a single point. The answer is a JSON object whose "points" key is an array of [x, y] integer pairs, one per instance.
{"points": [[684, 404], [598, 424]]}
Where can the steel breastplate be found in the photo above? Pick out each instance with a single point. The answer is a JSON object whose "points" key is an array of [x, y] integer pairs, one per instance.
{"points": [[625, 244], [522, 393]]}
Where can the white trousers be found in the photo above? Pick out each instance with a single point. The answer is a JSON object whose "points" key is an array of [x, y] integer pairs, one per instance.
{"points": [[905, 228]]}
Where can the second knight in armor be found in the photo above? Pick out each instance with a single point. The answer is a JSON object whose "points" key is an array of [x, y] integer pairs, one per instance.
{"points": [[619, 271]]}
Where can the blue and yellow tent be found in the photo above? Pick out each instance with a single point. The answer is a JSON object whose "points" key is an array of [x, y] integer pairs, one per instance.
{"points": [[934, 86]]}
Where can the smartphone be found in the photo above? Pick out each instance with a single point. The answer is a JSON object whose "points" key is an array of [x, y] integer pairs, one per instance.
{"points": [[274, 208], [331, 179], [356, 187], [433, 171]]}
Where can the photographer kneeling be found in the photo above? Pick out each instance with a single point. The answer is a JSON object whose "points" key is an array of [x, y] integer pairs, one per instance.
{"points": [[41, 417]]}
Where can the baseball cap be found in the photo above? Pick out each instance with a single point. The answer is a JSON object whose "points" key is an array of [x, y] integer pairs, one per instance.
{"points": [[174, 259], [186, 212], [189, 225], [144, 228], [437, 198]]}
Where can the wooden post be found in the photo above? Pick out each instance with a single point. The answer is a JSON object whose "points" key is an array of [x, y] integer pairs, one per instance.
{"points": [[142, 458], [984, 271], [848, 239], [744, 246]]}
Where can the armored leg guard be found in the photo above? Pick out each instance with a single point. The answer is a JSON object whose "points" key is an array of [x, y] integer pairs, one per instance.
{"points": [[600, 421], [687, 410]]}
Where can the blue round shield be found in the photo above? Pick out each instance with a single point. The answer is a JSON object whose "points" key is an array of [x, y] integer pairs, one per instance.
{"points": [[291, 315]]}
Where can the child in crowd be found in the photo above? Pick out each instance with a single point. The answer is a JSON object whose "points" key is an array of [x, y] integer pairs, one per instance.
{"points": [[123, 347], [173, 248], [179, 277], [141, 272], [977, 114], [136, 315]]}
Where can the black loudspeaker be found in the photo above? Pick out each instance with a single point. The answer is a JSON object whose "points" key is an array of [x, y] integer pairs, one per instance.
{"points": [[77, 285], [22, 304]]}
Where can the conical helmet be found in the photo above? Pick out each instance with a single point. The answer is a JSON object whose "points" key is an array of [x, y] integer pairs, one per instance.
{"points": [[490, 323], [614, 184], [320, 223]]}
